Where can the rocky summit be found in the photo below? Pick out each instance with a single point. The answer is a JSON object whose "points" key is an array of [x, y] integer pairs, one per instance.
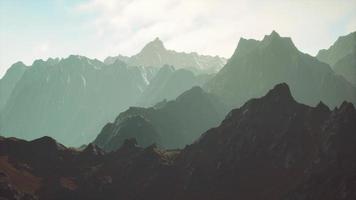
{"points": [[155, 54]]}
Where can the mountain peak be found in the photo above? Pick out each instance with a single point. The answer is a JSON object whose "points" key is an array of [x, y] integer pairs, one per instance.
{"points": [[195, 92], [245, 46], [47, 142], [274, 34], [346, 106], [280, 91], [157, 40], [276, 42], [16, 67], [156, 45]]}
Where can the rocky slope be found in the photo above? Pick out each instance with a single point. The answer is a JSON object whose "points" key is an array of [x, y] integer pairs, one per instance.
{"points": [[9, 81], [169, 83], [169, 124], [71, 99], [342, 57], [342, 47], [155, 54], [257, 66], [346, 67], [270, 148]]}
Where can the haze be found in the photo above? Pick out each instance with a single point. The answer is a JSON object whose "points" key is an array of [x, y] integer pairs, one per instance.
{"points": [[98, 28]]}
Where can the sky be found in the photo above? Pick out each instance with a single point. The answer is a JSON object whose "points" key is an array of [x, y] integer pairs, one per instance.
{"points": [[31, 30]]}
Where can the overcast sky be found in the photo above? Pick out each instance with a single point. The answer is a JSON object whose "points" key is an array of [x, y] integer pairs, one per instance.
{"points": [[31, 29]]}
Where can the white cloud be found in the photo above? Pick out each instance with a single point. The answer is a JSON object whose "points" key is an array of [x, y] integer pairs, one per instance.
{"points": [[215, 26], [111, 27]]}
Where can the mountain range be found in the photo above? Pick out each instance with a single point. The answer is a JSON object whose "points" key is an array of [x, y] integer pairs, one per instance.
{"points": [[155, 54], [271, 123], [257, 66], [70, 99], [270, 148]]}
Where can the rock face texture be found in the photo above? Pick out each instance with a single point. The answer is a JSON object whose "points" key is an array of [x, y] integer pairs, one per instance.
{"points": [[270, 148], [70, 99], [156, 55], [169, 124], [257, 66]]}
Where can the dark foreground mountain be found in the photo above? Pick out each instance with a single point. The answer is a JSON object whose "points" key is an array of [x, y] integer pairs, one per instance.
{"points": [[169, 124], [155, 54], [270, 148], [342, 57], [257, 66], [70, 99]]}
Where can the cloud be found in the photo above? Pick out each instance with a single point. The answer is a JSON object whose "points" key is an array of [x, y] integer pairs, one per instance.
{"points": [[215, 26], [99, 28]]}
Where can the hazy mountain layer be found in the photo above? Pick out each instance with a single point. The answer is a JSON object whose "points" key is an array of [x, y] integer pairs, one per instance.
{"points": [[346, 67], [8, 82], [258, 65], [343, 46], [169, 124], [270, 148], [71, 99], [155, 54], [113, 135], [342, 57], [169, 83]]}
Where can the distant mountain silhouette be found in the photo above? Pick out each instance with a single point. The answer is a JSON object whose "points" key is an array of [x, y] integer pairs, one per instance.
{"points": [[155, 54], [270, 148], [342, 57], [343, 46], [169, 124], [113, 135], [71, 99], [258, 65], [169, 83], [346, 67]]}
